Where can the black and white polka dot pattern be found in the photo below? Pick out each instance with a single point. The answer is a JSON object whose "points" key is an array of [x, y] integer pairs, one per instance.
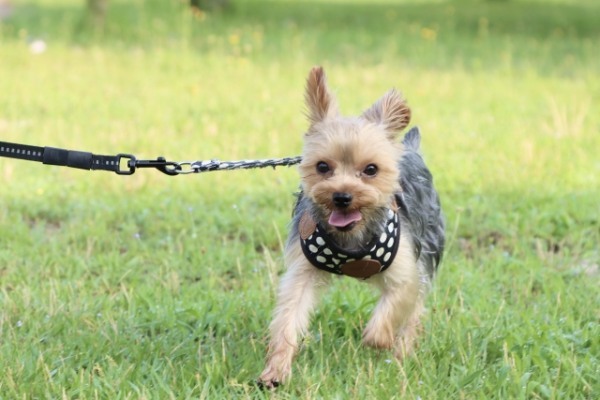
{"points": [[324, 254]]}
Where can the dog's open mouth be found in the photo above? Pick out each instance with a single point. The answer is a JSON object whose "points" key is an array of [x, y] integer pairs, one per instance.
{"points": [[344, 220]]}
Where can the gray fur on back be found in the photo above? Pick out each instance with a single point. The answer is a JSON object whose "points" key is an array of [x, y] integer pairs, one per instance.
{"points": [[420, 205]]}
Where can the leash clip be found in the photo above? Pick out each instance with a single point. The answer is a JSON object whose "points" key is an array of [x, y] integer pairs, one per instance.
{"points": [[166, 167]]}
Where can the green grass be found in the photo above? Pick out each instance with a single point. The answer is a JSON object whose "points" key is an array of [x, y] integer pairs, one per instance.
{"points": [[156, 287]]}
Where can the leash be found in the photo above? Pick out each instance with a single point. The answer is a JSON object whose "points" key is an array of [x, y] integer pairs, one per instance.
{"points": [[127, 164]]}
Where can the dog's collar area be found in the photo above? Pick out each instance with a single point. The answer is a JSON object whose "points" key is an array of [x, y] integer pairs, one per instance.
{"points": [[323, 253]]}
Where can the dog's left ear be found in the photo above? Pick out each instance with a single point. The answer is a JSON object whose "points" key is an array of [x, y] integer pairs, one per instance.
{"points": [[320, 101], [391, 111]]}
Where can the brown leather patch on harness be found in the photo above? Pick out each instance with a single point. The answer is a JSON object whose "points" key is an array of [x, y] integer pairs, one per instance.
{"points": [[361, 268], [306, 226]]}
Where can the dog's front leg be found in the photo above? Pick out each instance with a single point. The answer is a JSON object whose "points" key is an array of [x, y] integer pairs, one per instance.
{"points": [[295, 301], [398, 310]]}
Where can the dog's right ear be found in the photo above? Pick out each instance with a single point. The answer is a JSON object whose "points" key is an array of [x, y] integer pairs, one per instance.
{"points": [[320, 102], [391, 111]]}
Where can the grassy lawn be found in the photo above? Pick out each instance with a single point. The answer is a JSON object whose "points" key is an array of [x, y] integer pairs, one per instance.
{"points": [[152, 286]]}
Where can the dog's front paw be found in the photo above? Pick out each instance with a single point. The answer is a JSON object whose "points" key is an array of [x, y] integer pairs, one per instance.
{"points": [[378, 337], [272, 377], [268, 384]]}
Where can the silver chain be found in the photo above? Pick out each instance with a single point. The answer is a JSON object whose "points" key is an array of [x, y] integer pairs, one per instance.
{"points": [[194, 167]]}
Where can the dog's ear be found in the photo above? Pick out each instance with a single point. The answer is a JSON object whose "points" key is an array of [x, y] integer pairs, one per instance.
{"points": [[320, 102], [391, 111]]}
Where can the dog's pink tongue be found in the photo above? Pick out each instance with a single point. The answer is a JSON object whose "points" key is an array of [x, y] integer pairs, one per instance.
{"points": [[341, 219]]}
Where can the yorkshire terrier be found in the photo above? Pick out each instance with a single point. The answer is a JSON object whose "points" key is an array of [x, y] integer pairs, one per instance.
{"points": [[367, 208]]}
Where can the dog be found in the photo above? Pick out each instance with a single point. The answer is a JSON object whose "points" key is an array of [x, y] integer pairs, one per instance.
{"points": [[367, 208]]}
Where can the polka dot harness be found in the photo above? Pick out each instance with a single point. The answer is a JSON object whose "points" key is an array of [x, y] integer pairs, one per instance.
{"points": [[324, 254]]}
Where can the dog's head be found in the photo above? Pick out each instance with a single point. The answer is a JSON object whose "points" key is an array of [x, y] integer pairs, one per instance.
{"points": [[350, 165]]}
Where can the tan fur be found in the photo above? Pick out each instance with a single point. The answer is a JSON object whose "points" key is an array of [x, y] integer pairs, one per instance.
{"points": [[348, 145], [321, 104], [399, 302], [390, 111], [297, 294]]}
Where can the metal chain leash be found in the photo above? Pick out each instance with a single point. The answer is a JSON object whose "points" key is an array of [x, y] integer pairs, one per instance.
{"points": [[127, 164], [217, 165]]}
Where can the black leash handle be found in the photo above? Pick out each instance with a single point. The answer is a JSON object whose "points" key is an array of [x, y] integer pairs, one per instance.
{"points": [[68, 158], [126, 164]]}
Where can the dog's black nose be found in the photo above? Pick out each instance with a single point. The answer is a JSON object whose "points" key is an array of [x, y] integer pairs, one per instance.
{"points": [[342, 200]]}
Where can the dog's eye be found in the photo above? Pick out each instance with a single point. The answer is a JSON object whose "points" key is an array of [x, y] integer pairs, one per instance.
{"points": [[370, 170], [323, 167]]}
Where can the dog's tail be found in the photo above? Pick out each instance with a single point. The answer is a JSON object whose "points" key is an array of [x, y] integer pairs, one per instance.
{"points": [[412, 139]]}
